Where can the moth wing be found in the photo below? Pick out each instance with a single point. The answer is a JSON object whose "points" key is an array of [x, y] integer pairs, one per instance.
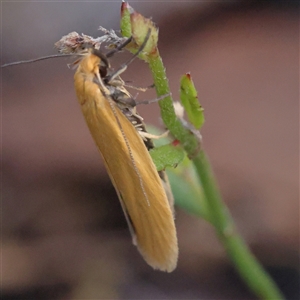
{"points": [[147, 209]]}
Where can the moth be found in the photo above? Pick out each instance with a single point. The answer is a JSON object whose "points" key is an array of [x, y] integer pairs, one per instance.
{"points": [[124, 144]]}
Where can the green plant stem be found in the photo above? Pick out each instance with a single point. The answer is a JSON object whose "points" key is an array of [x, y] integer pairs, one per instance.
{"points": [[245, 263], [189, 142]]}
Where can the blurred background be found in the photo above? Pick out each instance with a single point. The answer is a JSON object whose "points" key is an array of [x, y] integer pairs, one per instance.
{"points": [[63, 231]]}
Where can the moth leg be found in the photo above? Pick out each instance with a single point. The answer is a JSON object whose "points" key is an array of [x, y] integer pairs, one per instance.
{"points": [[141, 89], [154, 100], [147, 135], [100, 82]]}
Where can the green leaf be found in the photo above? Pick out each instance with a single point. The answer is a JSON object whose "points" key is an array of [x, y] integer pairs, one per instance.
{"points": [[167, 156], [189, 100], [188, 194]]}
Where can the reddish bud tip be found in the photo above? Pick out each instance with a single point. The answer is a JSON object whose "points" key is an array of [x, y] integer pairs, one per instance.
{"points": [[188, 75], [125, 7], [175, 143]]}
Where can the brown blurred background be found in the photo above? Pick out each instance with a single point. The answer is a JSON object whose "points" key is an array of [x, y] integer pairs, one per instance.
{"points": [[63, 232]]}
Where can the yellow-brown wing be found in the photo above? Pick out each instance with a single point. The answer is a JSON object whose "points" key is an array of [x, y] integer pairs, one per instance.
{"points": [[132, 172]]}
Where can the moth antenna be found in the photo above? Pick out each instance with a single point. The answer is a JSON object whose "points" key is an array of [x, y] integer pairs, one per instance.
{"points": [[118, 48], [125, 65], [38, 59]]}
